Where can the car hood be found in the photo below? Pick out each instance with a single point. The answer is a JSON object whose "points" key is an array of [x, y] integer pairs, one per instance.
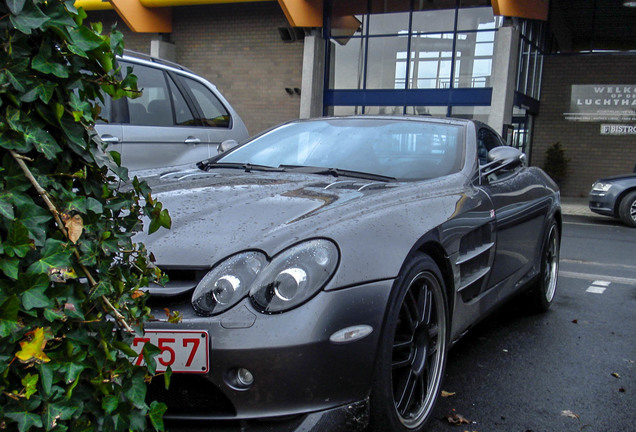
{"points": [[215, 214], [619, 177]]}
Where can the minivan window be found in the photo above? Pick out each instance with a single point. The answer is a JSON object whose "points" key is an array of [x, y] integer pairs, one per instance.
{"points": [[214, 113], [153, 107], [182, 113]]}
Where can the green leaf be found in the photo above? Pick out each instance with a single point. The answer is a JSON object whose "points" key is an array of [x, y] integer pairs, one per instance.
{"points": [[30, 382], [46, 376], [56, 412], [6, 208], [18, 242], [110, 403], [54, 255], [136, 392], [9, 308], [29, 19], [157, 409], [25, 420], [42, 90], [15, 6], [10, 267], [42, 141], [36, 298]]}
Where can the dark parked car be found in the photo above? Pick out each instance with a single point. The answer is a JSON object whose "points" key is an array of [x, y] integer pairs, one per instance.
{"points": [[324, 268], [615, 197]]}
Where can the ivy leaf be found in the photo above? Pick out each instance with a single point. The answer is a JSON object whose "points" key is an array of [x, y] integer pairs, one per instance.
{"points": [[25, 420], [36, 298], [9, 308], [157, 409], [109, 404], [6, 208], [18, 242], [29, 382], [30, 18], [10, 267], [33, 350], [136, 393], [42, 90], [54, 255], [15, 6], [58, 411], [41, 64]]}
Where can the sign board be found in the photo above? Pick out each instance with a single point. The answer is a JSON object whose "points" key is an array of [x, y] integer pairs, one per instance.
{"points": [[618, 129], [602, 103]]}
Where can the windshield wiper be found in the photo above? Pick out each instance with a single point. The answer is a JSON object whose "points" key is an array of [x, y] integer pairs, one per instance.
{"points": [[336, 172], [247, 167]]}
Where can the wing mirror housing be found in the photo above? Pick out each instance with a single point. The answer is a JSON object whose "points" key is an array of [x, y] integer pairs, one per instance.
{"points": [[226, 145], [503, 158]]}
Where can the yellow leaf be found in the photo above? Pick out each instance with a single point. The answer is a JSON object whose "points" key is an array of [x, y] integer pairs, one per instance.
{"points": [[137, 294], [74, 226], [446, 394], [33, 350], [61, 274]]}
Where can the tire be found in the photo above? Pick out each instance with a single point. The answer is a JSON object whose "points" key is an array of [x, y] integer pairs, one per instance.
{"points": [[412, 352], [543, 292], [627, 209]]}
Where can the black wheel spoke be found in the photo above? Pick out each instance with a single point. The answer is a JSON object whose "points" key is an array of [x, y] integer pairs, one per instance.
{"points": [[405, 400]]}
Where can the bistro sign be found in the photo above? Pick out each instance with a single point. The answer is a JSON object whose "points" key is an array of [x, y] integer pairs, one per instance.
{"points": [[602, 103]]}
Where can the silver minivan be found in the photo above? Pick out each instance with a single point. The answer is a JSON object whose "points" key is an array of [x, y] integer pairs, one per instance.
{"points": [[179, 118]]}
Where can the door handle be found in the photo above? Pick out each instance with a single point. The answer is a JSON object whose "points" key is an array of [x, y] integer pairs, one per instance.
{"points": [[109, 139], [192, 140]]}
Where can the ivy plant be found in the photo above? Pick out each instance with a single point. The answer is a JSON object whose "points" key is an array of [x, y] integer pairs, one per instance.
{"points": [[71, 273]]}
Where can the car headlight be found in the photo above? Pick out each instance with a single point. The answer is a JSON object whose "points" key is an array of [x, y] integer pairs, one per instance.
{"points": [[601, 187], [227, 283], [292, 277]]}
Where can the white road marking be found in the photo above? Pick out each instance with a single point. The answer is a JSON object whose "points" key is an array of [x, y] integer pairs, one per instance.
{"points": [[595, 289], [601, 283]]}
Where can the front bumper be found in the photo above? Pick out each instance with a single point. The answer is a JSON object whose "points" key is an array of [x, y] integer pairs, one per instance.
{"points": [[602, 203], [296, 368]]}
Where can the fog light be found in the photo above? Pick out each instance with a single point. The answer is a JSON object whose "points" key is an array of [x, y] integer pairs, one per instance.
{"points": [[244, 377]]}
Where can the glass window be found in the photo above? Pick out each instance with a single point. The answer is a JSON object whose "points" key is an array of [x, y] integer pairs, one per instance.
{"points": [[473, 67], [390, 23], [433, 21], [431, 59], [153, 107], [434, 111], [381, 64], [214, 113], [478, 18], [480, 113], [392, 148], [183, 115], [347, 64]]}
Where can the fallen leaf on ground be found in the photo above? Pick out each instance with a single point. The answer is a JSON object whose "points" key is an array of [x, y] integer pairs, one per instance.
{"points": [[615, 375], [622, 390], [447, 394], [575, 321], [568, 413], [457, 419]]}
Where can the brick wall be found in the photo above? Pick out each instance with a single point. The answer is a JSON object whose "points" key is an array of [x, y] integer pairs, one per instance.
{"points": [[591, 154]]}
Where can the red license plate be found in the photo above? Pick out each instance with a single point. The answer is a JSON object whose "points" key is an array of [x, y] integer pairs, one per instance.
{"points": [[185, 351]]}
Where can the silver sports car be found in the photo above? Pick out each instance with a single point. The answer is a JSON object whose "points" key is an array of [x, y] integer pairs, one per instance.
{"points": [[323, 269]]}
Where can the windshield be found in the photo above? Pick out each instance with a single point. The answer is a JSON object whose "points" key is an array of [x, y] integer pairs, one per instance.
{"points": [[402, 149]]}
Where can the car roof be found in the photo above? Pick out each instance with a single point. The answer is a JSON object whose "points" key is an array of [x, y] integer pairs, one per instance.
{"points": [[134, 55]]}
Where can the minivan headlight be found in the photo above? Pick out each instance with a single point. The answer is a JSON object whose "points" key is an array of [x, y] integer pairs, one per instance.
{"points": [[291, 278], [294, 276]]}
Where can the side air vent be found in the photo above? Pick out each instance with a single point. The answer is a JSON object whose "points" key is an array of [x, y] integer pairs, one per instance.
{"points": [[473, 261]]}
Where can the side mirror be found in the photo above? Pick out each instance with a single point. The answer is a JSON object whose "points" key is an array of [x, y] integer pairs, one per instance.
{"points": [[503, 158], [226, 145]]}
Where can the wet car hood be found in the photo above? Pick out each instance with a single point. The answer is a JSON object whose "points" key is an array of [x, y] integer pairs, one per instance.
{"points": [[630, 176], [219, 213]]}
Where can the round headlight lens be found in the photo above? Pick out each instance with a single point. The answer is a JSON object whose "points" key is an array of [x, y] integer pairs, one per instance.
{"points": [[294, 276], [227, 283]]}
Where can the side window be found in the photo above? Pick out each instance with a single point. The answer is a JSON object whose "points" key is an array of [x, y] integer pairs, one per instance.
{"points": [[486, 141], [153, 107], [182, 113], [213, 111]]}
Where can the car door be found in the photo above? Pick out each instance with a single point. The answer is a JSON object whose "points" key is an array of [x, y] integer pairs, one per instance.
{"points": [[162, 128], [210, 111], [520, 208]]}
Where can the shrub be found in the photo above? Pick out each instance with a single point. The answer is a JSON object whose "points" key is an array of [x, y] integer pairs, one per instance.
{"points": [[70, 272]]}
